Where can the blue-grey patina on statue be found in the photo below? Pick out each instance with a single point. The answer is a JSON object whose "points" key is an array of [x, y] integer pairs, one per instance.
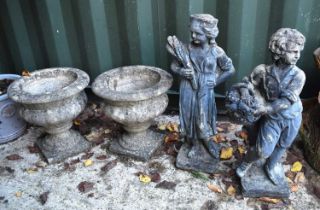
{"points": [[201, 65], [280, 85]]}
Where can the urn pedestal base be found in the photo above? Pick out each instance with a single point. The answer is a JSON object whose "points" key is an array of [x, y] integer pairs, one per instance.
{"points": [[204, 162], [57, 147], [255, 183], [139, 146]]}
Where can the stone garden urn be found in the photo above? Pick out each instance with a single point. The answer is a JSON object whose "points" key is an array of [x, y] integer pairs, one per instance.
{"points": [[134, 96], [52, 98]]}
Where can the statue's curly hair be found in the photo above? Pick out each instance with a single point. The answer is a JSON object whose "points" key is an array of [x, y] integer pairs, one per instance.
{"points": [[285, 39], [208, 24]]}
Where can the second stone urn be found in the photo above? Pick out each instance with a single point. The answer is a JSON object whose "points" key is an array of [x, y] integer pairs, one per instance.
{"points": [[52, 98], [134, 96]]}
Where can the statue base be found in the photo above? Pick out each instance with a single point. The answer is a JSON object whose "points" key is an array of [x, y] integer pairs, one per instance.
{"points": [[255, 183], [139, 146], [203, 162], [57, 147]]}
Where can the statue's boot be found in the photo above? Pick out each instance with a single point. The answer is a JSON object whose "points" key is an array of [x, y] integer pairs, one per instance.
{"points": [[212, 147], [243, 168], [273, 167], [274, 174]]}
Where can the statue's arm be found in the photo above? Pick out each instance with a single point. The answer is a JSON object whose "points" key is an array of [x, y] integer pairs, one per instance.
{"points": [[178, 69], [289, 95], [225, 64]]}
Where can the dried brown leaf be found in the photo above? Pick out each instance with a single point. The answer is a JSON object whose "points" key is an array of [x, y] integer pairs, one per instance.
{"points": [[214, 188], [166, 185], [68, 167], [33, 149], [18, 194], [220, 130], [226, 126], [171, 137], [108, 166], [269, 200], [155, 177], [101, 157], [290, 175], [75, 161], [242, 134], [294, 187], [44, 197], [14, 157], [218, 138], [234, 143], [85, 186], [87, 155]]}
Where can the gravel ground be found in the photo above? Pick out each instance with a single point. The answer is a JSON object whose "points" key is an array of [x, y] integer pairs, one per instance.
{"points": [[113, 182]]}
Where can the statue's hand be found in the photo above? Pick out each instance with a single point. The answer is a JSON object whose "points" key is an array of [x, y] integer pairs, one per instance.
{"points": [[262, 110], [187, 73], [211, 83]]}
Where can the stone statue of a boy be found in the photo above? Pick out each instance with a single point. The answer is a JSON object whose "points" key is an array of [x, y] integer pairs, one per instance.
{"points": [[280, 84]]}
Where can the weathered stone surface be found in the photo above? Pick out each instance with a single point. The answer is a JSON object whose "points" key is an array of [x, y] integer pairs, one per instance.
{"points": [[204, 162], [57, 147], [256, 183], [139, 146], [134, 95], [52, 98]]}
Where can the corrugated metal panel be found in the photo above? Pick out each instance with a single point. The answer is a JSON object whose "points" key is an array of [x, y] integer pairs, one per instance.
{"points": [[96, 35]]}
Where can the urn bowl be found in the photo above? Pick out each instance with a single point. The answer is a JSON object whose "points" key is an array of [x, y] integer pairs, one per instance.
{"points": [[134, 96], [52, 98]]}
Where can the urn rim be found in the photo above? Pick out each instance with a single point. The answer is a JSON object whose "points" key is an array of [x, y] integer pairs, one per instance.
{"points": [[22, 92], [101, 86]]}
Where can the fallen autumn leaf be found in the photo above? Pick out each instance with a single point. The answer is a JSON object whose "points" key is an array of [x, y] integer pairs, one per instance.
{"points": [[87, 162], [14, 157], [296, 167], [44, 197], [226, 153], [269, 200], [231, 190], [85, 186], [18, 194], [144, 178], [166, 185], [214, 188]]}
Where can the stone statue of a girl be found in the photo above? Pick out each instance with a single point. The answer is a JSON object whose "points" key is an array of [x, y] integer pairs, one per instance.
{"points": [[201, 65]]}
